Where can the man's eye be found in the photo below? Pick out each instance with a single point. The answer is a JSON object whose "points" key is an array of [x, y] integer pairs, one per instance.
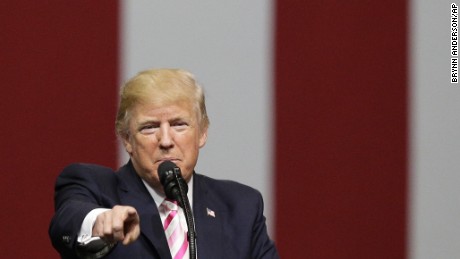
{"points": [[148, 129], [179, 125]]}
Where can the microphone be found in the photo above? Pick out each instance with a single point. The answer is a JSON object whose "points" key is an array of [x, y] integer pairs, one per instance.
{"points": [[176, 189], [172, 181]]}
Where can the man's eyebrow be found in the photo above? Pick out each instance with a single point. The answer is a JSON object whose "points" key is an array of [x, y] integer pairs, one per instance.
{"points": [[147, 121], [156, 121], [179, 118]]}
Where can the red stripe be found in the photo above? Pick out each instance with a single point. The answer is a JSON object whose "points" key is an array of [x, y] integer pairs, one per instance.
{"points": [[183, 249], [341, 129], [169, 218], [59, 70]]}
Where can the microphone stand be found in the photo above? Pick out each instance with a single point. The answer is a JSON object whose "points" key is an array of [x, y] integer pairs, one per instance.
{"points": [[184, 202]]}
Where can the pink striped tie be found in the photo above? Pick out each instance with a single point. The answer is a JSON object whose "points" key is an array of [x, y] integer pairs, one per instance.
{"points": [[175, 233]]}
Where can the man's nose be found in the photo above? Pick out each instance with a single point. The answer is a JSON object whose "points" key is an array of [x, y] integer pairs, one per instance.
{"points": [[165, 137]]}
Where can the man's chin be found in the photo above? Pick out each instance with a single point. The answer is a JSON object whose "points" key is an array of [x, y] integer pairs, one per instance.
{"points": [[151, 179]]}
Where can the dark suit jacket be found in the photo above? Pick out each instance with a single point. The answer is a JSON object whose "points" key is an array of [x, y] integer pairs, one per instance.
{"points": [[238, 229]]}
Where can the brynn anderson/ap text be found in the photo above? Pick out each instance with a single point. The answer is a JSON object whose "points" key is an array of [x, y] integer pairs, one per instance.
{"points": [[454, 43]]}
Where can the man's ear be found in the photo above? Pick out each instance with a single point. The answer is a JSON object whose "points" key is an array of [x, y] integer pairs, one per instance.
{"points": [[126, 143], [203, 137]]}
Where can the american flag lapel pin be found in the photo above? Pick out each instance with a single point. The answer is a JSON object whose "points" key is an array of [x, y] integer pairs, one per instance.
{"points": [[210, 213]]}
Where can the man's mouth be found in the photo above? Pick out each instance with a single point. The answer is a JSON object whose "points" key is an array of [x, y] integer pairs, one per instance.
{"points": [[172, 159]]}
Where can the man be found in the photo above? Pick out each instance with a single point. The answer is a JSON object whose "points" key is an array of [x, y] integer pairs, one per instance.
{"points": [[124, 214]]}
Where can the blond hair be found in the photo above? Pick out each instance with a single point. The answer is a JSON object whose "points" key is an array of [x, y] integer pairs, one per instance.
{"points": [[161, 87]]}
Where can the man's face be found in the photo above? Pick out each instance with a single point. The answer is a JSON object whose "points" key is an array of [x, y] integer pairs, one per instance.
{"points": [[157, 134]]}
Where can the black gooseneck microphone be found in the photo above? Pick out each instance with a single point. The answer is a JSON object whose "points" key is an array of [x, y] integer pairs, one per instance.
{"points": [[176, 189]]}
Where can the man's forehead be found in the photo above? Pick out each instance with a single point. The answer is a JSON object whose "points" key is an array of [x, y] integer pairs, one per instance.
{"points": [[147, 111], [163, 105]]}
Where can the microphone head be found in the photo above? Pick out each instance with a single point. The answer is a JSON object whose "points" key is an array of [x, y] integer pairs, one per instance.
{"points": [[172, 181], [166, 170]]}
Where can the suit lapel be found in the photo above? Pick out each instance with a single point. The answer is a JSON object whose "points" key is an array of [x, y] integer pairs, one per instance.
{"points": [[132, 192], [209, 217], [208, 211]]}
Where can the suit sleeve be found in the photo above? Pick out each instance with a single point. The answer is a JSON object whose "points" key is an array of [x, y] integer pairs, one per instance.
{"points": [[77, 192], [262, 246]]}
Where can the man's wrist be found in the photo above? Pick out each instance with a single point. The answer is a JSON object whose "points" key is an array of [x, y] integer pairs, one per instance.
{"points": [[86, 230]]}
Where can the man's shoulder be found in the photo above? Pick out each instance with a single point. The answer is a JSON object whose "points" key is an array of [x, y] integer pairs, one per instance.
{"points": [[226, 187], [97, 178], [88, 166], [87, 170]]}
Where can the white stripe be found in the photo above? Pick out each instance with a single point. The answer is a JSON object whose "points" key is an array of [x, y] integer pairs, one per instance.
{"points": [[435, 135], [177, 246], [172, 226], [228, 46]]}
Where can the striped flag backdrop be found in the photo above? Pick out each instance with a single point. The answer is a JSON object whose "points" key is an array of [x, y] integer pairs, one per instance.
{"points": [[341, 113]]}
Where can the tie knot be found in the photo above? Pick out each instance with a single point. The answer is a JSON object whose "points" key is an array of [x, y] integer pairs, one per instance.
{"points": [[170, 204]]}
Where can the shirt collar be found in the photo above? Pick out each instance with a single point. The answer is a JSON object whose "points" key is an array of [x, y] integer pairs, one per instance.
{"points": [[159, 197]]}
